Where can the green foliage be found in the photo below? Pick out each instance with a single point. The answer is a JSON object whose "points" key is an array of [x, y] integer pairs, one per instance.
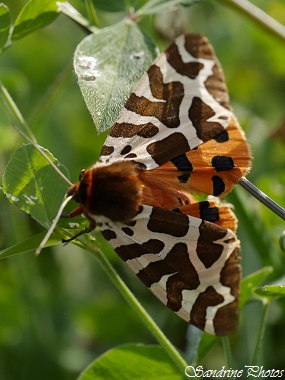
{"points": [[108, 64], [30, 182], [251, 282], [35, 15], [29, 245], [5, 24], [132, 361], [271, 291], [61, 310]]}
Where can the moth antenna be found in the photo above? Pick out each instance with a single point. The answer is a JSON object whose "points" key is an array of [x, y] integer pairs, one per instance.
{"points": [[53, 225], [35, 145], [263, 198]]}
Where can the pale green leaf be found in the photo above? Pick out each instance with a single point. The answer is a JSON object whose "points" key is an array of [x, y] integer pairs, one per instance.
{"points": [[131, 362], [108, 64]]}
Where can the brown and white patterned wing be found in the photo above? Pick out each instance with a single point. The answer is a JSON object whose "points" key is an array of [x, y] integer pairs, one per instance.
{"points": [[178, 104], [189, 264]]}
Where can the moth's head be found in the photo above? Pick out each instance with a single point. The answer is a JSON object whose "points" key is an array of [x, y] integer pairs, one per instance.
{"points": [[79, 190]]}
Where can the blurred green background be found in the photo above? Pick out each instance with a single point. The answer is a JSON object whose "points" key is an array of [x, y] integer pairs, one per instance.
{"points": [[59, 311]]}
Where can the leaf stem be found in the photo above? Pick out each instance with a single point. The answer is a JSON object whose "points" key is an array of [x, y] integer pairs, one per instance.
{"points": [[227, 351], [258, 16], [260, 338], [92, 14], [49, 97], [19, 123], [15, 113], [67, 9], [134, 303]]}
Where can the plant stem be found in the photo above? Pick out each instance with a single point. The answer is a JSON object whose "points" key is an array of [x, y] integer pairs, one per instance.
{"points": [[67, 9], [50, 96], [92, 15], [227, 351], [134, 303], [258, 16], [15, 113], [259, 342]]}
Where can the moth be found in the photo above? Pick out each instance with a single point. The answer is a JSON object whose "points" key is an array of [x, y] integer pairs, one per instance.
{"points": [[176, 137]]}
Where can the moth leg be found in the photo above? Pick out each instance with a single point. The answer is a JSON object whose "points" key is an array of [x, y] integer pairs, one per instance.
{"points": [[78, 211], [85, 231]]}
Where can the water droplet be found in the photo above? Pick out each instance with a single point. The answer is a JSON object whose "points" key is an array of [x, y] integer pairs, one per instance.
{"points": [[87, 68], [137, 55], [14, 199]]}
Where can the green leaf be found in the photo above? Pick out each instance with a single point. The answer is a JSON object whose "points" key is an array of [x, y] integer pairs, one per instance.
{"points": [[131, 362], [35, 15], [31, 183], [251, 282], [29, 245], [5, 23], [271, 291], [108, 64], [159, 6]]}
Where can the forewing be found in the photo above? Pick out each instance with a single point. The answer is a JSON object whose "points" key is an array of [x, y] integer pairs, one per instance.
{"points": [[189, 264], [178, 104]]}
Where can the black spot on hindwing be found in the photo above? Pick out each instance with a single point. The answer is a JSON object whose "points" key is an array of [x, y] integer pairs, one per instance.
{"points": [[222, 163], [211, 214], [218, 185], [183, 178], [182, 163]]}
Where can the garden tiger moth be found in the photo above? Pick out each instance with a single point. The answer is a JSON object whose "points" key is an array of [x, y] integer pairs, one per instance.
{"points": [[176, 137]]}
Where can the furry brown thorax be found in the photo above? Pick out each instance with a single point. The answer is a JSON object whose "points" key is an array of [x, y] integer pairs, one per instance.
{"points": [[113, 191]]}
